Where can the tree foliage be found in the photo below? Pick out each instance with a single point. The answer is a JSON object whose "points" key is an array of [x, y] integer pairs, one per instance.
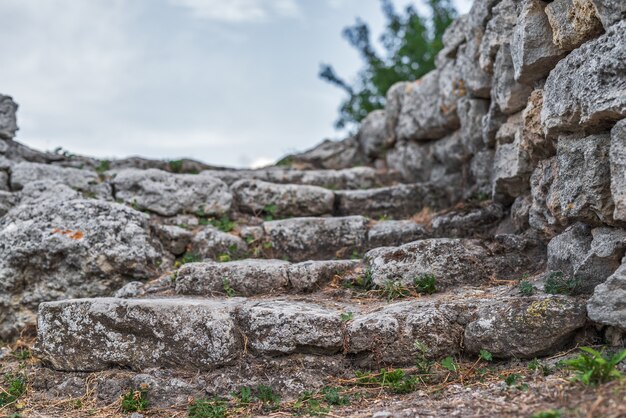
{"points": [[410, 42]]}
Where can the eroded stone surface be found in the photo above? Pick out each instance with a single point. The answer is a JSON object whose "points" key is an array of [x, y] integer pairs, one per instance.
{"points": [[8, 120], [618, 169], [525, 328], [573, 22], [282, 200], [95, 334], [606, 306], [65, 249], [281, 327], [302, 239], [170, 194], [587, 89]]}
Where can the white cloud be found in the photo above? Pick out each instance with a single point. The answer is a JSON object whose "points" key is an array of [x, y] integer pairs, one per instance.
{"points": [[240, 11]]}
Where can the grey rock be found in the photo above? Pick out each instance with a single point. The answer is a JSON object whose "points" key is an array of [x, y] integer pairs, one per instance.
{"points": [[385, 233], [520, 211], [587, 89], [525, 328], [471, 112], [510, 129], [472, 221], [95, 334], [65, 249], [589, 255], [498, 31], [373, 136], [210, 243], [302, 239], [170, 194], [544, 215], [4, 181], [245, 277], [583, 183], [7, 201], [532, 50], [174, 238], [420, 118], [610, 11], [451, 261], [472, 79], [532, 140], [606, 306], [8, 120], [491, 124], [285, 200], [573, 22], [394, 201], [618, 169], [254, 276], [392, 333], [83, 181], [130, 290], [334, 155], [46, 191], [283, 327], [480, 13], [413, 161], [481, 170], [393, 106], [511, 171], [510, 95], [453, 37]]}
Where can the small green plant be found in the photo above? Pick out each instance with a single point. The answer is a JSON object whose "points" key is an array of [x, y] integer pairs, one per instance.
{"points": [[176, 166], [536, 365], [364, 282], [266, 395], [346, 316], [395, 289], [512, 379], [448, 363], [229, 291], [558, 283], [14, 387], [423, 364], [425, 283], [309, 405], [188, 257], [207, 408], [549, 413], [526, 288], [593, 367], [333, 396], [394, 380], [134, 400], [355, 255], [244, 396], [224, 224], [485, 355], [105, 165], [270, 212], [21, 354], [224, 258]]}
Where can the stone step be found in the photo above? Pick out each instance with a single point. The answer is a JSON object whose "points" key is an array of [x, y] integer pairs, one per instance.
{"points": [[349, 178], [257, 276], [199, 335]]}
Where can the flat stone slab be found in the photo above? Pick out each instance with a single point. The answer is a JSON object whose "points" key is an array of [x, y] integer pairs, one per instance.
{"points": [[282, 200], [256, 276], [393, 201], [97, 334], [311, 238]]}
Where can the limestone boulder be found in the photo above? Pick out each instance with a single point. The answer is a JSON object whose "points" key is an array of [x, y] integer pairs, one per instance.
{"points": [[573, 22], [169, 194], [587, 89]]}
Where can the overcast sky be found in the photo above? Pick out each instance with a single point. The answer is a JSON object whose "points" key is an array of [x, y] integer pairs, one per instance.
{"points": [[228, 82]]}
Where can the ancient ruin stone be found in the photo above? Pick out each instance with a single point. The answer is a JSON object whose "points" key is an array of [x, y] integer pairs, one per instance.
{"points": [[64, 249], [170, 194], [95, 334], [525, 329], [573, 22], [587, 90], [282, 200], [610, 11], [374, 137], [8, 120], [532, 50], [618, 169], [606, 306]]}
